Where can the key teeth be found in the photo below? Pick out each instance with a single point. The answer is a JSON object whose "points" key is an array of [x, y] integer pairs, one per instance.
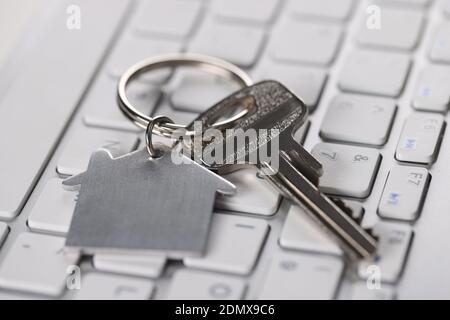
{"points": [[347, 210], [371, 232]]}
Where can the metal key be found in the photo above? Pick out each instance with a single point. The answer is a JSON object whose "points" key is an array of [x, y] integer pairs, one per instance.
{"points": [[270, 105]]}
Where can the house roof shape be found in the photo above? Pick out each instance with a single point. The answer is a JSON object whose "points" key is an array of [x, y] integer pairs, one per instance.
{"points": [[141, 204]]}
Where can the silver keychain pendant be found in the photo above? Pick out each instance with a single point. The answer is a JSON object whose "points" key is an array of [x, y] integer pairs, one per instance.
{"points": [[149, 205], [149, 201]]}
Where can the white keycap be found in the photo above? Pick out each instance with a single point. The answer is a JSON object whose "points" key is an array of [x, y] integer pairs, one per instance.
{"points": [[170, 18], [394, 242], [300, 232], [306, 83], [399, 29], [360, 291], [85, 140], [239, 44], [68, 60], [53, 210], [254, 195], [4, 229], [197, 91], [302, 276], [100, 106], [348, 171], [420, 138], [132, 48], [97, 286], [330, 9], [417, 3], [359, 119], [314, 43], [36, 263], [372, 72], [226, 234], [432, 92], [404, 193], [440, 49], [197, 285], [446, 7], [135, 265], [255, 11]]}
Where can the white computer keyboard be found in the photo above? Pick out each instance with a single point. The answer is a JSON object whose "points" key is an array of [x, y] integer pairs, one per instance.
{"points": [[378, 100]]}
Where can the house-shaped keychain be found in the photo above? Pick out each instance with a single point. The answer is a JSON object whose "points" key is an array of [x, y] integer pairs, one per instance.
{"points": [[136, 204]]}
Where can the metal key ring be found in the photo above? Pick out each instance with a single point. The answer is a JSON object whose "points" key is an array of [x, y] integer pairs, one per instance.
{"points": [[206, 63], [149, 132]]}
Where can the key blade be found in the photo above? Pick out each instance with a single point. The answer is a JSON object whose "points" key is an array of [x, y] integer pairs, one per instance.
{"points": [[356, 242]]}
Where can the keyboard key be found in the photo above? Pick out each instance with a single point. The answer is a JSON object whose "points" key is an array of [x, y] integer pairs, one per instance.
{"points": [[254, 195], [313, 44], [420, 138], [302, 276], [197, 91], [198, 285], [53, 210], [307, 83], [360, 291], [348, 171], [419, 3], [301, 133], [85, 140], [432, 92], [255, 11], [97, 286], [239, 44], [133, 48], [372, 72], [446, 8], [101, 109], [60, 55], [300, 232], [440, 49], [36, 263], [394, 242], [135, 265], [400, 29], [4, 229], [226, 234], [404, 193], [359, 119], [330, 9], [168, 18]]}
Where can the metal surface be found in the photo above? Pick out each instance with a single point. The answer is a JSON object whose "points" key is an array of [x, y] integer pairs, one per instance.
{"points": [[297, 175], [139, 205], [202, 62]]}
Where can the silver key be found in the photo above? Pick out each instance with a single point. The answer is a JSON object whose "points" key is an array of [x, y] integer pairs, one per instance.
{"points": [[297, 175]]}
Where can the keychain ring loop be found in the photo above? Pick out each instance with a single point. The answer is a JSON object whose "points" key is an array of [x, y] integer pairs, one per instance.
{"points": [[206, 63], [158, 120]]}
